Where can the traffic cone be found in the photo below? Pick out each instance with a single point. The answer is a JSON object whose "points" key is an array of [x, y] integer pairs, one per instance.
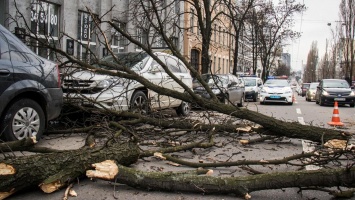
{"points": [[335, 118]]}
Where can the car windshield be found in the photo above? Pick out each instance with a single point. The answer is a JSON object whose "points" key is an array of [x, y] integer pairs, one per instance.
{"points": [[306, 86], [135, 61], [249, 82], [277, 83], [313, 85], [335, 84], [213, 79]]}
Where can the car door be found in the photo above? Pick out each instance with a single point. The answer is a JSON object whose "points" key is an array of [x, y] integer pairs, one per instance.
{"points": [[235, 90], [157, 75], [319, 91], [6, 70]]}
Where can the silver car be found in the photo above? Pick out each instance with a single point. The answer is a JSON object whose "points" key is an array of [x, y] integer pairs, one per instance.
{"points": [[311, 91]]}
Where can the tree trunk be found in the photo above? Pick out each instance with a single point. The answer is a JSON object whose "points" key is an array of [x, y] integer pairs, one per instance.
{"points": [[54, 170], [241, 186]]}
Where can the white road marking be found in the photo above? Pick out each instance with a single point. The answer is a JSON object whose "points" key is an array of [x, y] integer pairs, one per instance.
{"points": [[298, 110], [307, 145], [301, 120]]}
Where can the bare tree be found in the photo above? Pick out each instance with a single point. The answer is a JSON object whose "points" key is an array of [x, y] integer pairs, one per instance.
{"points": [[310, 72], [347, 36], [129, 136]]}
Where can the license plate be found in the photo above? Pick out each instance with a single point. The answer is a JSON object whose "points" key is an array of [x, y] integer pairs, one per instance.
{"points": [[274, 96], [339, 99]]}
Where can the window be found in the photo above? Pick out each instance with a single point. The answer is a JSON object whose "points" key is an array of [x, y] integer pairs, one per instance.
{"points": [[86, 37], [195, 54], [192, 19], [219, 34], [215, 33], [223, 36], [45, 26], [4, 48], [119, 42], [142, 37]]}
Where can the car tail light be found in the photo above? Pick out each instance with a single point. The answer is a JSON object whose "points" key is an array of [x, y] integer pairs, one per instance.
{"points": [[59, 80]]}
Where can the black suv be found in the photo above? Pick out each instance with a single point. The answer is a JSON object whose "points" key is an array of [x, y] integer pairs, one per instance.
{"points": [[331, 90], [30, 90]]}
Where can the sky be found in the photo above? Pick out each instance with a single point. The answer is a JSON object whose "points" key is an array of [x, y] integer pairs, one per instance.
{"points": [[313, 25]]}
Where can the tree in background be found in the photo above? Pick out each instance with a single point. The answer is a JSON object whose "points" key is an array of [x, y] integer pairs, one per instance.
{"points": [[347, 36], [309, 74]]}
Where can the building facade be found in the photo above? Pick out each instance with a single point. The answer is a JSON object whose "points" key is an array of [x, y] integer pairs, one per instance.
{"points": [[77, 28]]}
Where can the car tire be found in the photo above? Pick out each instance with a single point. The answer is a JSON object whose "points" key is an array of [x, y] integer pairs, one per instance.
{"points": [[240, 104], [139, 103], [184, 109], [255, 99], [321, 103], [24, 118], [226, 99]]}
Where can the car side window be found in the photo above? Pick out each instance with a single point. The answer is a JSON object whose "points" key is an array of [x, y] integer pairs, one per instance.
{"points": [[16, 54], [4, 48]]}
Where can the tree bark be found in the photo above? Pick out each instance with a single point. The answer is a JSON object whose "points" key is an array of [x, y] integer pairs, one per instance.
{"points": [[54, 170], [241, 186]]}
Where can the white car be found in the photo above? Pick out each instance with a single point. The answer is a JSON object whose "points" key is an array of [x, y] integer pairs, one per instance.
{"points": [[253, 86], [88, 88], [276, 90]]}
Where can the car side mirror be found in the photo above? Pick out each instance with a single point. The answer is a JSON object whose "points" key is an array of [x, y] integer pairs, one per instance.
{"points": [[232, 84], [318, 87], [156, 69], [352, 87]]}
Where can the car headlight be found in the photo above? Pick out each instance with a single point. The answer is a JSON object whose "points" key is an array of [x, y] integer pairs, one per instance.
{"points": [[325, 93], [216, 91], [263, 91], [352, 93], [105, 83], [288, 91]]}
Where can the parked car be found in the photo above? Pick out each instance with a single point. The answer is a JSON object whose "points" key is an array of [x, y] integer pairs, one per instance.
{"points": [[304, 88], [253, 86], [331, 90], [311, 91], [121, 94], [30, 90], [227, 87], [276, 91]]}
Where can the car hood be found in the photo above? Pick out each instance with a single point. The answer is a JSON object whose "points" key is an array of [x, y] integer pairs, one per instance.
{"points": [[276, 89], [335, 90], [88, 75], [198, 86]]}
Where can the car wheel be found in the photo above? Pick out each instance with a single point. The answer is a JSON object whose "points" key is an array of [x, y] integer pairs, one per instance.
{"points": [[139, 103], [226, 99], [23, 119], [240, 104], [184, 109], [321, 103], [255, 99]]}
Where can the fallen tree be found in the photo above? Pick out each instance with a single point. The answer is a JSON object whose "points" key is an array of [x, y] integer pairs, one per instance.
{"points": [[171, 135], [207, 184], [52, 171]]}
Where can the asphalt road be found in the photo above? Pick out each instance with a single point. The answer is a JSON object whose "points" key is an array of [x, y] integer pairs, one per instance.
{"points": [[301, 111]]}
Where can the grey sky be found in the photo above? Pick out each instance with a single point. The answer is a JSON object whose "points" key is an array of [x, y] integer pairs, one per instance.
{"points": [[314, 28]]}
